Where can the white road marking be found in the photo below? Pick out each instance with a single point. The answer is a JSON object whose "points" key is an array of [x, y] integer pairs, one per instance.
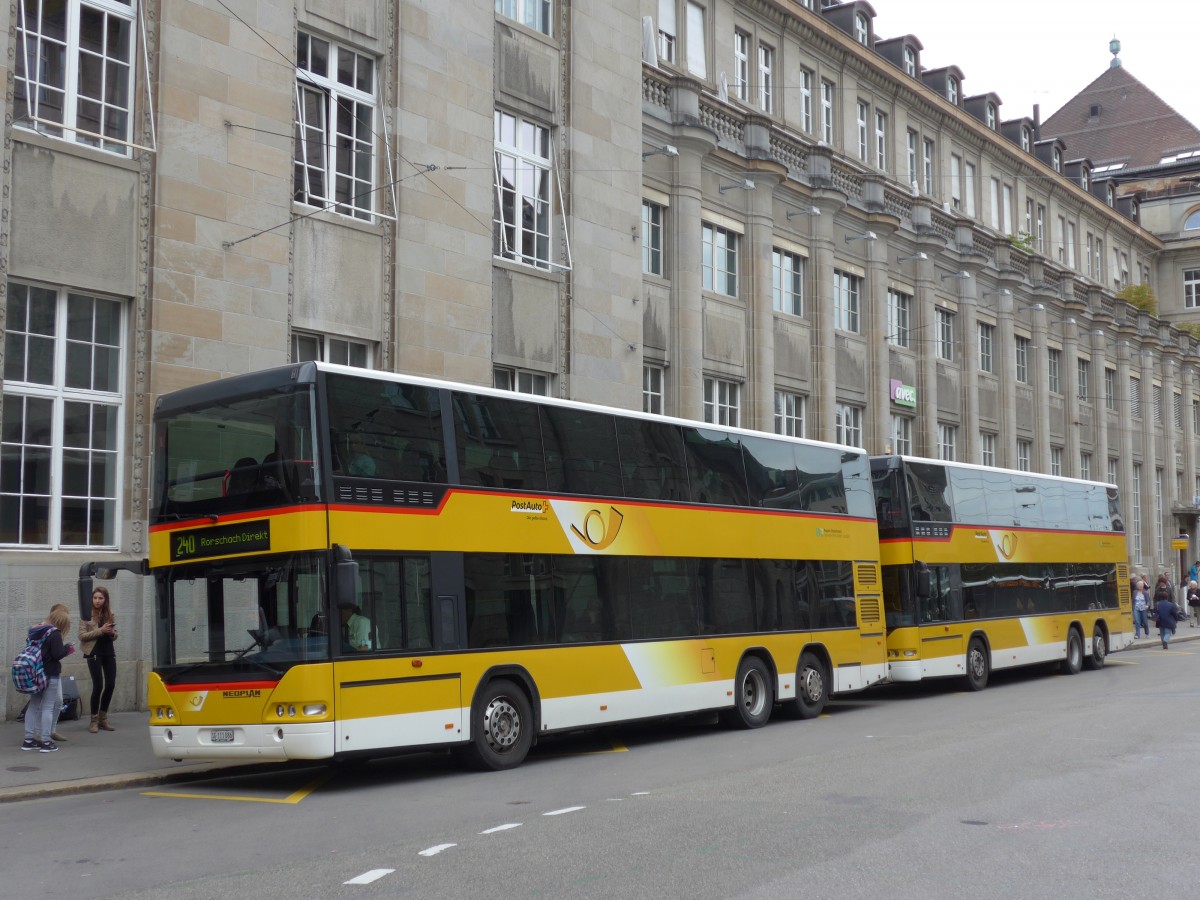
{"points": [[435, 850], [641, 794], [559, 812], [368, 877], [504, 827]]}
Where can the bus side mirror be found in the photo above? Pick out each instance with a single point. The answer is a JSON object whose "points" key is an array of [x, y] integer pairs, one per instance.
{"points": [[924, 586], [345, 577]]}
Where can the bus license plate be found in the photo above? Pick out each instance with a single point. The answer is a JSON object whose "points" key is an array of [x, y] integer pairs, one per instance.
{"points": [[222, 736]]}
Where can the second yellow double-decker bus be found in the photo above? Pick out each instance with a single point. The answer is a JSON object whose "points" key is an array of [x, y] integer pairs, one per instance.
{"points": [[351, 562], [988, 569]]}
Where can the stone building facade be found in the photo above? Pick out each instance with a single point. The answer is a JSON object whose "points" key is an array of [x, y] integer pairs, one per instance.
{"points": [[755, 212]]}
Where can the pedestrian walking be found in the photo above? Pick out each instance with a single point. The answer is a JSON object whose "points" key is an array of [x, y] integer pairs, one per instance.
{"points": [[1193, 604], [40, 713], [96, 636], [1168, 618], [1141, 610]]}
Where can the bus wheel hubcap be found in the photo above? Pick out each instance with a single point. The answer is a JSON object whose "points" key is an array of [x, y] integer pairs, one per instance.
{"points": [[813, 685], [501, 724]]}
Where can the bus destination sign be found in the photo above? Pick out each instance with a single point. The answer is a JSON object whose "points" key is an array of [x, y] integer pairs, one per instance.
{"points": [[239, 537]]}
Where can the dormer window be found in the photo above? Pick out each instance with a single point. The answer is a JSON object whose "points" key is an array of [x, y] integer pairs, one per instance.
{"points": [[1111, 195], [862, 29], [952, 90], [910, 62], [1026, 139], [991, 116], [1084, 179], [1057, 160], [1133, 210]]}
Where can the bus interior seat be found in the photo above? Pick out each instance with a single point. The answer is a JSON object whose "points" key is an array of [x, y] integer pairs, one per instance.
{"points": [[243, 476]]}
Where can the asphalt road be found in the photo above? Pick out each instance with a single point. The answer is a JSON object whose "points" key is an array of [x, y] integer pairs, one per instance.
{"points": [[1040, 786]]}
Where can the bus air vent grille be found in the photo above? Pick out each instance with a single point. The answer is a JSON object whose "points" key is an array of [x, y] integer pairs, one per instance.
{"points": [[868, 609]]}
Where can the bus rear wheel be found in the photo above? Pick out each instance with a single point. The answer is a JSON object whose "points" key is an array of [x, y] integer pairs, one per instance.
{"points": [[977, 665], [501, 728], [812, 688], [1074, 660], [1099, 650], [752, 695]]}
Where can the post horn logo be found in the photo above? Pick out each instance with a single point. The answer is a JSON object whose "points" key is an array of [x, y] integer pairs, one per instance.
{"points": [[1008, 545], [596, 532]]}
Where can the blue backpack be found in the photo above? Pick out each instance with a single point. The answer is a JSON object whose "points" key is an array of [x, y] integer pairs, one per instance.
{"points": [[29, 669]]}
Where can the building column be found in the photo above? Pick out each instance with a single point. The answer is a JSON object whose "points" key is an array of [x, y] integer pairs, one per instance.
{"points": [[1153, 539], [1006, 365], [824, 353], [875, 332], [1099, 406], [760, 310], [1038, 377], [968, 310], [1070, 385], [1125, 430]]}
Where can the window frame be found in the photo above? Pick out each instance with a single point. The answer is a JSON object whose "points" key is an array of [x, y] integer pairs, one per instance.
{"points": [[533, 14], [524, 165], [653, 234], [847, 419], [987, 340], [722, 401], [521, 381], [719, 259], [899, 322], [331, 349], [653, 389], [791, 412], [944, 322], [789, 271], [1021, 359], [847, 301]]}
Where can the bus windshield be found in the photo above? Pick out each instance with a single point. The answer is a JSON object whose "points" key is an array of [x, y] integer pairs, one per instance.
{"points": [[257, 616], [248, 452]]}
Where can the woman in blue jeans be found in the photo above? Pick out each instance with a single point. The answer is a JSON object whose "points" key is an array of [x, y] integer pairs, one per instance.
{"points": [[39, 714], [1141, 610]]}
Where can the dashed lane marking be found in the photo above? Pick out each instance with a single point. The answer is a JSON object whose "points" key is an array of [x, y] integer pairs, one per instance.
{"points": [[436, 849], [368, 877], [564, 810], [504, 827]]}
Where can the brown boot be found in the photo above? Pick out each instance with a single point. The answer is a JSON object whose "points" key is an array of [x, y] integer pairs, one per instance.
{"points": [[104, 726], [55, 736], [94, 725]]}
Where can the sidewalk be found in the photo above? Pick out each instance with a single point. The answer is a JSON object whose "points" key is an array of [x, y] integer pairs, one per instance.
{"points": [[121, 759]]}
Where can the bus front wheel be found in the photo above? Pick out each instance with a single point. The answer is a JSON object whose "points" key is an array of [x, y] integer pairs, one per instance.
{"points": [[752, 695], [977, 666], [1074, 660], [1099, 650], [501, 728]]}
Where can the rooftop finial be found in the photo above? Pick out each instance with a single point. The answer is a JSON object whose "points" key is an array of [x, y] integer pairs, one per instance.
{"points": [[1114, 47]]}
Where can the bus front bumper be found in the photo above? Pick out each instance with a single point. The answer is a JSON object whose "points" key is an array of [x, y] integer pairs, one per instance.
{"points": [[243, 742]]}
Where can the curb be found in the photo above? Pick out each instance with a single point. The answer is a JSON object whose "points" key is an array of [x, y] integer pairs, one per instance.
{"points": [[101, 783]]}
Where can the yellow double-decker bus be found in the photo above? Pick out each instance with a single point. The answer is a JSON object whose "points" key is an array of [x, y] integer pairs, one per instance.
{"points": [[356, 563], [988, 569]]}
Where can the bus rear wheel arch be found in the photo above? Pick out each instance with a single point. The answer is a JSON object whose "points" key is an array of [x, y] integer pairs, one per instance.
{"points": [[978, 664], [1099, 648], [502, 727], [753, 697], [1073, 661]]}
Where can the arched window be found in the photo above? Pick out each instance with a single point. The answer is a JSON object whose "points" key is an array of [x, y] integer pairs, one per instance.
{"points": [[862, 29], [1192, 222], [991, 116], [952, 90]]}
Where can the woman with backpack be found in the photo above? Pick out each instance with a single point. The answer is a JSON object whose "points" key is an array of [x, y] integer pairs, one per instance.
{"points": [[39, 714]]}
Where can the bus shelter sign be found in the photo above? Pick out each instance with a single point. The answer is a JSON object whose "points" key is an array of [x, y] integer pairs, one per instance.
{"points": [[903, 394]]}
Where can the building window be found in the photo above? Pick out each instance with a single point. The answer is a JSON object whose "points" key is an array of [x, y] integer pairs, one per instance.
{"points": [[1156, 393], [1062, 239], [1024, 454], [533, 14], [1026, 139], [322, 348], [1056, 461], [719, 259], [991, 116], [652, 238], [902, 442], [1098, 260], [927, 165], [1041, 229], [1083, 376], [667, 31], [955, 181], [1071, 244], [847, 422], [994, 203], [1056, 160], [722, 402], [912, 158], [766, 78], [1196, 417], [899, 317], [806, 101], [910, 62], [63, 418], [1110, 388], [880, 140], [522, 381], [74, 70], [987, 334], [947, 439], [945, 334], [952, 90], [1053, 358], [987, 448], [862, 113], [827, 112], [1135, 397], [1008, 209], [847, 292], [1112, 470], [1177, 411], [862, 30], [787, 282], [1085, 466], [1191, 288], [969, 189], [789, 413], [1022, 359], [335, 128], [696, 56], [1192, 223], [1135, 513], [652, 389], [741, 65], [523, 176]]}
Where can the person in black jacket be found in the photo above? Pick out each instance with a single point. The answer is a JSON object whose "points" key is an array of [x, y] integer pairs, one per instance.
{"points": [[1167, 620], [39, 714]]}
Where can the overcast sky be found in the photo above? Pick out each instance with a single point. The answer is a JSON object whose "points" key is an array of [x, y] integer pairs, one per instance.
{"points": [[1047, 51]]}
